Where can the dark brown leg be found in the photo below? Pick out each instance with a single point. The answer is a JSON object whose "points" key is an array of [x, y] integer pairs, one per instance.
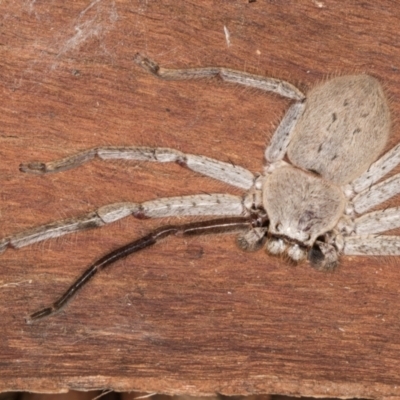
{"points": [[222, 225]]}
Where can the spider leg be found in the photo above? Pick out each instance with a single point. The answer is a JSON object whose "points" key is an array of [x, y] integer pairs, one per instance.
{"points": [[196, 205], [372, 245], [225, 225], [267, 84], [376, 194], [378, 221], [222, 171], [280, 140], [377, 170], [369, 194]]}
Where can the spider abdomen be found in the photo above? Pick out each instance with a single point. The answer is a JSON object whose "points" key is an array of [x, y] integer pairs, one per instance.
{"points": [[344, 128]]}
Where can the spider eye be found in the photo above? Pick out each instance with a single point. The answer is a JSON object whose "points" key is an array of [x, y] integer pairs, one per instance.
{"points": [[278, 227]]}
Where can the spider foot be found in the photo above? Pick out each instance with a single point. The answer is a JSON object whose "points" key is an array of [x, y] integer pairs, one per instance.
{"points": [[146, 64], [33, 168], [45, 312]]}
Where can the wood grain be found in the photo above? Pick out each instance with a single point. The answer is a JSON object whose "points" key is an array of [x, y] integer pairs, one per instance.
{"points": [[196, 316]]}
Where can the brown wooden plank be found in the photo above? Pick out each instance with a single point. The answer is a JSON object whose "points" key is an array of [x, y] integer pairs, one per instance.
{"points": [[196, 316]]}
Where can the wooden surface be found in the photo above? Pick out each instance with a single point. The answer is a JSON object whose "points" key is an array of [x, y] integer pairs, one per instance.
{"points": [[196, 316]]}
